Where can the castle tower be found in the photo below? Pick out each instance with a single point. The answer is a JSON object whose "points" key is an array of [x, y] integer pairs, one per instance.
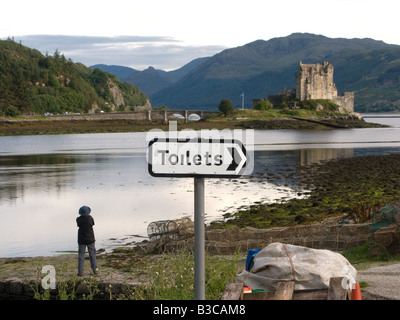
{"points": [[315, 81]]}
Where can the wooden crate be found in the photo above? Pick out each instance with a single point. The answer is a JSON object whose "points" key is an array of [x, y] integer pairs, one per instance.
{"points": [[285, 291]]}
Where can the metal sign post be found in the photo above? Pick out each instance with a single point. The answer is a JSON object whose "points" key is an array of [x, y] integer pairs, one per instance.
{"points": [[199, 159], [199, 239]]}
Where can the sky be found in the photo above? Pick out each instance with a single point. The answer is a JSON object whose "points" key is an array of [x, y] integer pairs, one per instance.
{"points": [[167, 34]]}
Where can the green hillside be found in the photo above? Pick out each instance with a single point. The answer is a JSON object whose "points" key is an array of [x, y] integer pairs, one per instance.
{"points": [[370, 68], [34, 83], [374, 76]]}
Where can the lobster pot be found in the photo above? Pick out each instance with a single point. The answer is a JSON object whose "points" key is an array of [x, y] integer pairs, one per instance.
{"points": [[170, 229], [185, 227]]}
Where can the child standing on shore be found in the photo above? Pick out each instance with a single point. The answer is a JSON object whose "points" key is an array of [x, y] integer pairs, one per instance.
{"points": [[86, 238]]}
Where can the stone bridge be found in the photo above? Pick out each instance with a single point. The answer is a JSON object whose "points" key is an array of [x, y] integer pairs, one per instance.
{"points": [[167, 115], [149, 115]]}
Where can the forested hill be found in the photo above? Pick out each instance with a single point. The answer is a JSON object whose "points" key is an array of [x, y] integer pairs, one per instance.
{"points": [[369, 68], [33, 83]]}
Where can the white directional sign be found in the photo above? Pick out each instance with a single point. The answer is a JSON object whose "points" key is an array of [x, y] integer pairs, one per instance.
{"points": [[196, 157]]}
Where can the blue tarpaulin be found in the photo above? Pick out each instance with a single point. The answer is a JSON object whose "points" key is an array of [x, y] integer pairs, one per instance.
{"points": [[250, 258]]}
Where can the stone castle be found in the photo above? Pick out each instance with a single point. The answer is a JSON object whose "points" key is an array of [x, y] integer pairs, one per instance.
{"points": [[315, 81]]}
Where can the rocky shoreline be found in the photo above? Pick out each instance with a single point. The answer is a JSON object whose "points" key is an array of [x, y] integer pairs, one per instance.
{"points": [[353, 186], [125, 269]]}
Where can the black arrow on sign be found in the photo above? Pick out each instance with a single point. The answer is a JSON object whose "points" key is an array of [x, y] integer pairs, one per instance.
{"points": [[235, 155]]}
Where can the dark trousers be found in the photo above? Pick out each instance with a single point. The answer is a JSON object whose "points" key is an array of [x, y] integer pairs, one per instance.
{"points": [[81, 256]]}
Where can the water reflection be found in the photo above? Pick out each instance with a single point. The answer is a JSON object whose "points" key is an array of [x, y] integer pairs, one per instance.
{"points": [[311, 156], [27, 173]]}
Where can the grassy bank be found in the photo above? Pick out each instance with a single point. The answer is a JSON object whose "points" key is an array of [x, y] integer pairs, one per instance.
{"points": [[157, 277], [123, 275]]}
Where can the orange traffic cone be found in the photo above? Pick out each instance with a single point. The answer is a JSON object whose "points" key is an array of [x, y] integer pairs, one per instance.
{"points": [[356, 292]]}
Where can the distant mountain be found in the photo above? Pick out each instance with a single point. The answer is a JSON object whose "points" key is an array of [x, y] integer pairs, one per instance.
{"points": [[150, 80], [177, 74], [370, 68], [33, 83], [120, 71]]}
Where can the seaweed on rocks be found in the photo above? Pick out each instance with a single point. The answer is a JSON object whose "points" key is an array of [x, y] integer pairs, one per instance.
{"points": [[332, 188]]}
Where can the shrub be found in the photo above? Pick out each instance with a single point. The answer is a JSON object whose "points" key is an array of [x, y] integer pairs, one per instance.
{"points": [[11, 111], [225, 106], [263, 104]]}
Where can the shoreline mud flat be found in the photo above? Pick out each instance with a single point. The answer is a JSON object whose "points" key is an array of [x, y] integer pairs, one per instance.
{"points": [[49, 126], [351, 186]]}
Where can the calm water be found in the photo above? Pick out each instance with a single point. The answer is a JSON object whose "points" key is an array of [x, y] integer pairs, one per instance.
{"points": [[45, 179]]}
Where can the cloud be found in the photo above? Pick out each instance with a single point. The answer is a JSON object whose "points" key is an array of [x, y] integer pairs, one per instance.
{"points": [[138, 52]]}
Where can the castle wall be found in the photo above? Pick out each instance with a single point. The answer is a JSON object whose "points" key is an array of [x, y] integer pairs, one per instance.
{"points": [[346, 100]]}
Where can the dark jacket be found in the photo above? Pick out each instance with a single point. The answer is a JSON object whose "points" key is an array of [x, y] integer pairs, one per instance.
{"points": [[85, 231]]}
